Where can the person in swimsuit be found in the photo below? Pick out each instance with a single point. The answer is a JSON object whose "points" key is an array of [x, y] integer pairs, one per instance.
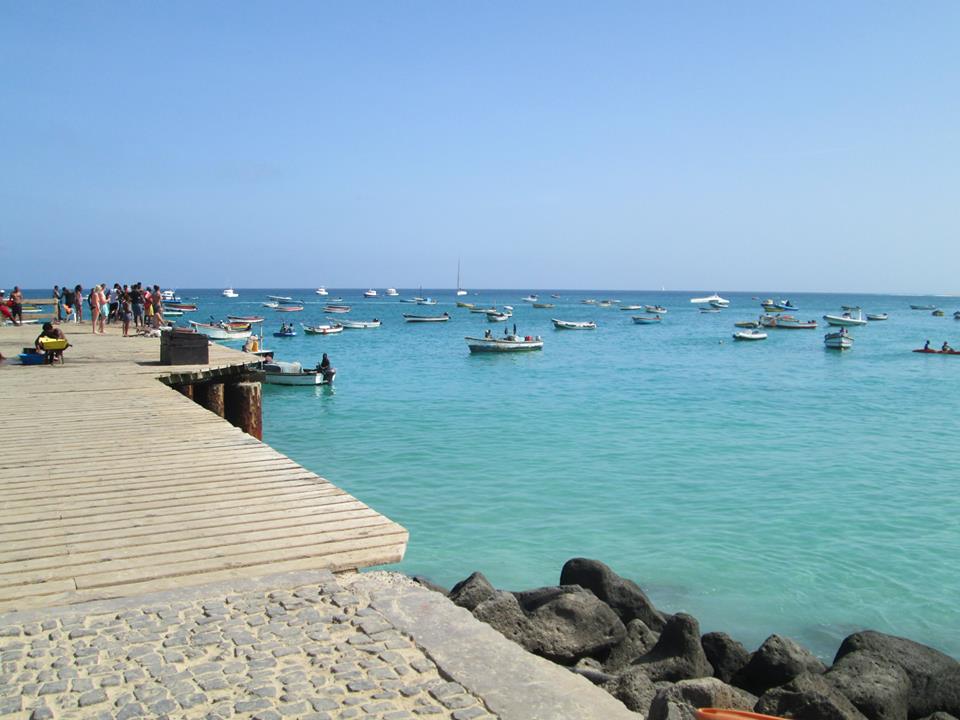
{"points": [[78, 302], [16, 305]]}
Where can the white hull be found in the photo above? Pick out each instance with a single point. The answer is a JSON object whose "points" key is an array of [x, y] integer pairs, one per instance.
{"points": [[391, 292], [230, 293], [215, 332], [336, 309], [510, 344], [642, 320], [838, 341], [425, 318], [839, 321], [714, 300], [750, 336], [461, 293], [370, 294], [498, 317], [572, 325], [322, 329], [322, 291], [359, 324]]}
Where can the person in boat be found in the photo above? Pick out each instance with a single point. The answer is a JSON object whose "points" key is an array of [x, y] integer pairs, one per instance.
{"points": [[946, 347], [324, 365], [49, 332], [926, 345], [487, 334]]}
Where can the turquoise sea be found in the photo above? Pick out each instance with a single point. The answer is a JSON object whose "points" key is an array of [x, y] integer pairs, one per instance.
{"points": [[763, 487]]}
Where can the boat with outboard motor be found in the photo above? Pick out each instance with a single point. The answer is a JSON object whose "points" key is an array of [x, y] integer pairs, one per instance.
{"points": [[646, 319], [286, 331], [851, 318], [574, 324], [655, 309], [749, 335], [292, 373], [841, 340], [230, 293], [506, 343]]}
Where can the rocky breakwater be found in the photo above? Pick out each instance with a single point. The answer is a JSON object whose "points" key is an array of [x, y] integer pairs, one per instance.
{"points": [[604, 627]]}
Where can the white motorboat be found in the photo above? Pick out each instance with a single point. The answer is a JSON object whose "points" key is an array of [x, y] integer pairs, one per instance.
{"points": [[632, 307], [370, 293], [168, 296], [498, 317], [219, 331], [426, 301], [841, 340], [321, 291], [851, 318], [507, 343], [574, 325], [426, 318], [655, 309], [530, 298], [271, 304], [292, 373], [359, 324], [883, 316], [588, 301], [714, 300], [391, 292], [230, 293], [332, 329], [646, 319], [749, 335]]}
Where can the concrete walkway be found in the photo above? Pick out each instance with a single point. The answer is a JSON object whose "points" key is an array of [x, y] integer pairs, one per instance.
{"points": [[308, 645]]}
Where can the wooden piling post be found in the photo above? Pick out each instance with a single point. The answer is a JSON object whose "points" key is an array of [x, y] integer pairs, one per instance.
{"points": [[185, 389], [212, 398], [243, 407]]}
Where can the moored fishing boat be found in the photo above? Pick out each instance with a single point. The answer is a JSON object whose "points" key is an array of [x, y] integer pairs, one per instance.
{"points": [[543, 306], [465, 304], [710, 309], [286, 373], [646, 319], [749, 335], [507, 343], [483, 311], [246, 318], [426, 318], [751, 324], [289, 308], [370, 293], [851, 318], [322, 329], [219, 331], [841, 340], [574, 324], [632, 307], [426, 301], [321, 291], [337, 309], [531, 298], [359, 324], [391, 292], [655, 309], [280, 298], [498, 317], [185, 307], [877, 316], [923, 307], [230, 293], [168, 296], [588, 301], [787, 322]]}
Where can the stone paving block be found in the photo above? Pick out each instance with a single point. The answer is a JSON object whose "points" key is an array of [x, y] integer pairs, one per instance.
{"points": [[93, 697]]}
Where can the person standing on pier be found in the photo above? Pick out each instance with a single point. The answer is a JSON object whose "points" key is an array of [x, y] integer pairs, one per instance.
{"points": [[93, 299], [16, 305], [56, 301], [78, 302], [136, 304]]}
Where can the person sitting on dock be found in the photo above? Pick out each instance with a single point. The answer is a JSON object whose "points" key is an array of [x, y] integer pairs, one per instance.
{"points": [[49, 332]]}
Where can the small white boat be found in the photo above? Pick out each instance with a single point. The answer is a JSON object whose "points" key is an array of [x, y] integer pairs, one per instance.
{"points": [[426, 318], [507, 343], [321, 291], [655, 309], [498, 317], [881, 316], [714, 300], [646, 319], [574, 325], [588, 301], [169, 296], [391, 292], [632, 307], [220, 332], [426, 301], [287, 373], [230, 293], [245, 318], [359, 324], [749, 335], [838, 340], [281, 298], [787, 322], [337, 309], [530, 298], [483, 311], [322, 329], [370, 293], [289, 308], [271, 304], [851, 318]]}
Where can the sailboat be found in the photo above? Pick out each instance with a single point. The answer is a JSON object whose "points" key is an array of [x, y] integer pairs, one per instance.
{"points": [[460, 290]]}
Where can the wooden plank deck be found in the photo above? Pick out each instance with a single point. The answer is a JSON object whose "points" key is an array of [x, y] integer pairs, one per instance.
{"points": [[114, 484]]}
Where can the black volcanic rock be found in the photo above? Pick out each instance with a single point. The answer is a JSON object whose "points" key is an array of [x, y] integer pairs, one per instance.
{"points": [[471, 592], [726, 655], [808, 697], [624, 596], [681, 701], [776, 662], [639, 641], [678, 654], [571, 626]]}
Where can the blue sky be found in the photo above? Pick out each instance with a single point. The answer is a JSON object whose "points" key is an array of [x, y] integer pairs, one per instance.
{"points": [[734, 145]]}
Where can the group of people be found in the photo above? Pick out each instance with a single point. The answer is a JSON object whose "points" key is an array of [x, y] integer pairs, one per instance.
{"points": [[124, 304], [944, 348]]}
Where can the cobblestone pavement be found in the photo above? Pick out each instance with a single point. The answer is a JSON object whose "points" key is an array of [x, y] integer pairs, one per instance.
{"points": [[316, 651]]}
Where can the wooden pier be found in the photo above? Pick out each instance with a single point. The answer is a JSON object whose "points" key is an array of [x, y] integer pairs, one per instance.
{"points": [[112, 483]]}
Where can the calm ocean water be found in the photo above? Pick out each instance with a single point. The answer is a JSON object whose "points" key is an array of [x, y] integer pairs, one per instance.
{"points": [[763, 487]]}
